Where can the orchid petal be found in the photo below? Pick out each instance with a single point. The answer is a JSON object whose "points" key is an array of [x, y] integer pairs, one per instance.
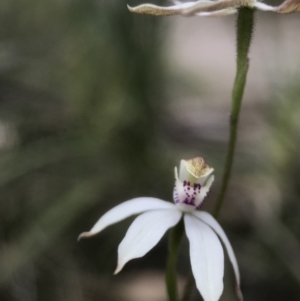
{"points": [[151, 9], [209, 220], [191, 3], [218, 13], [264, 7], [288, 6], [144, 233], [126, 209], [215, 6], [207, 258]]}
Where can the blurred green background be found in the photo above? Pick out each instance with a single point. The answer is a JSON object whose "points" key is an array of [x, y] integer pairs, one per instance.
{"points": [[98, 105]]}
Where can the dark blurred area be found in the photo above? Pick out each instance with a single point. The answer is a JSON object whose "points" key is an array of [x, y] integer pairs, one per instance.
{"points": [[98, 105]]}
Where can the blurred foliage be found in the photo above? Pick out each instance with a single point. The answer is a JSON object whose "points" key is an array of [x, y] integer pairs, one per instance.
{"points": [[80, 103], [85, 124]]}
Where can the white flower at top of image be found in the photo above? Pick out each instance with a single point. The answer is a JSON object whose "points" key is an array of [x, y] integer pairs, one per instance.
{"points": [[213, 8], [204, 233]]}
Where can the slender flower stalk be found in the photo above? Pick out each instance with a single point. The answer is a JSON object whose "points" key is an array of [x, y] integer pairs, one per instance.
{"points": [[245, 26], [174, 242]]}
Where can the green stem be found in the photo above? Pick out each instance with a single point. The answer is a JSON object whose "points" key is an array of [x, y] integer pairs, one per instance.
{"points": [[245, 25], [174, 242]]}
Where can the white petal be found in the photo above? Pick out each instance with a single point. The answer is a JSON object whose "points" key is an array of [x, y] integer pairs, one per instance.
{"points": [[126, 209], [288, 6], [207, 258], [218, 13], [151, 9], [264, 7], [209, 220], [144, 233], [199, 6], [190, 4]]}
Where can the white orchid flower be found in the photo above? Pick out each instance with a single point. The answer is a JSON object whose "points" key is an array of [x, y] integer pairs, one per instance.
{"points": [[214, 8], [157, 216]]}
